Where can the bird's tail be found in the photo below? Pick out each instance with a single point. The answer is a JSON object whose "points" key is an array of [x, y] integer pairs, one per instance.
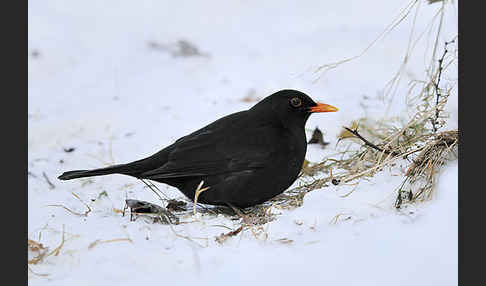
{"points": [[116, 169]]}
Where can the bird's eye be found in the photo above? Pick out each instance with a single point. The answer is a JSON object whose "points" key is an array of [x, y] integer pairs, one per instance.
{"points": [[296, 102]]}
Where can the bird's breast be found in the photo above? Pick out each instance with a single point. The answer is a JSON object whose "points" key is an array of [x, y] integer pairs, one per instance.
{"points": [[292, 152]]}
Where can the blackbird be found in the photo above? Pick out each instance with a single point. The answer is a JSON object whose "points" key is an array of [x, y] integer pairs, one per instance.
{"points": [[245, 158]]}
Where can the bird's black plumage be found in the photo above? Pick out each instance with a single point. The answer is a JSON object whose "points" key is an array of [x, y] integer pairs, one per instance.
{"points": [[244, 158]]}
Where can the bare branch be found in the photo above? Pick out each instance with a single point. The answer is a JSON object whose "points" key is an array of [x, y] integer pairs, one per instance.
{"points": [[368, 143]]}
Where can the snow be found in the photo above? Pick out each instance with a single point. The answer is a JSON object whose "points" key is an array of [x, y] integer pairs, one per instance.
{"points": [[98, 87]]}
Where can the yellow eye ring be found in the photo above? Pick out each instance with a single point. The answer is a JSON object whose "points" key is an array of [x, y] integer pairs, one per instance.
{"points": [[295, 102]]}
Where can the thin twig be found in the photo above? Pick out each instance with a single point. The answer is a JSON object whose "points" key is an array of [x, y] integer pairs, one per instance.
{"points": [[397, 20], [51, 185], [37, 274], [437, 89], [189, 238], [85, 204], [73, 212], [98, 241], [368, 143], [58, 249]]}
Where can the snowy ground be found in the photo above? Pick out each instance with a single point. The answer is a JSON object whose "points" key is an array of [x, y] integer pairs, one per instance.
{"points": [[102, 81]]}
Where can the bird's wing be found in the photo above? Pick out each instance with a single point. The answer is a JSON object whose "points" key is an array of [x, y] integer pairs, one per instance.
{"points": [[212, 152]]}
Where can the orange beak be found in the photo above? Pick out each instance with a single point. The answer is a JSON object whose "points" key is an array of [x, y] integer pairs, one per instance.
{"points": [[322, 107]]}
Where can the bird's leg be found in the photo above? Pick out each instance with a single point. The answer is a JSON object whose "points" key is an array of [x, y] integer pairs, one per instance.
{"points": [[197, 193], [235, 209], [240, 213], [206, 208]]}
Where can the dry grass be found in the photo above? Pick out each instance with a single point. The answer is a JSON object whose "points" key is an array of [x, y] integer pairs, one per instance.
{"points": [[224, 236], [38, 249], [421, 174], [85, 214], [404, 13], [98, 241], [376, 144], [41, 252]]}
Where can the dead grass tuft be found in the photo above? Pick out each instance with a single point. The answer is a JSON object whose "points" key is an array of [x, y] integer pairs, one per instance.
{"points": [[376, 144], [41, 251], [421, 174], [38, 249]]}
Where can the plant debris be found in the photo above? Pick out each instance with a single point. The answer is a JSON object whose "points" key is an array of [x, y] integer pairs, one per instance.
{"points": [[425, 167], [368, 143], [224, 236], [99, 241], [181, 48], [415, 140], [317, 138], [42, 252], [37, 248], [146, 208], [102, 194], [285, 240], [85, 214], [176, 206], [51, 185]]}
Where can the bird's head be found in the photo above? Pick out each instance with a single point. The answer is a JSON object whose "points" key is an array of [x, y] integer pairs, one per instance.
{"points": [[291, 107]]}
